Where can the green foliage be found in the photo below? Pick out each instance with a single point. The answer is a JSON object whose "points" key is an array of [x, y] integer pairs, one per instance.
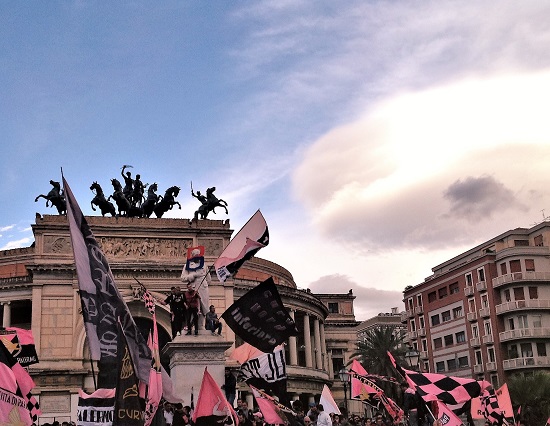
{"points": [[532, 393]]}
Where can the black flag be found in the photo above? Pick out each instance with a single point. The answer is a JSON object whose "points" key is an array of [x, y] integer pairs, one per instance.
{"points": [[260, 318]]}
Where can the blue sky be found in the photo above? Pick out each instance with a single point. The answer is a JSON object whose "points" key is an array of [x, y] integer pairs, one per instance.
{"points": [[388, 135]]}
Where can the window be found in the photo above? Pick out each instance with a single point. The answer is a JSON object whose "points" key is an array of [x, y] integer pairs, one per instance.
{"points": [[469, 279], [453, 288], [530, 265], [503, 270], [471, 305], [457, 312], [537, 321], [451, 364], [410, 302], [21, 313], [432, 297], [533, 292], [435, 320], [538, 241], [541, 349], [494, 381], [460, 337], [463, 362], [424, 344], [511, 324], [438, 343], [515, 266], [413, 325], [421, 322], [526, 350], [481, 274], [333, 307], [449, 340], [507, 295], [521, 243], [513, 352], [491, 354], [445, 316], [479, 359], [487, 327], [519, 294], [522, 321], [475, 331], [440, 366], [419, 300], [484, 301], [442, 292]]}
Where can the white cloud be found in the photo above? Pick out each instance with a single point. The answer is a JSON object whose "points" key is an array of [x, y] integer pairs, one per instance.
{"points": [[23, 242], [6, 228]]}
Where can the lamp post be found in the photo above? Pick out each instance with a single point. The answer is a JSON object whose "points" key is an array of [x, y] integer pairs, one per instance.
{"points": [[413, 358], [344, 378]]}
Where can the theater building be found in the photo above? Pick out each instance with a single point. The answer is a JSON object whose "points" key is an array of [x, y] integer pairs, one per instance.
{"points": [[486, 312], [39, 291]]}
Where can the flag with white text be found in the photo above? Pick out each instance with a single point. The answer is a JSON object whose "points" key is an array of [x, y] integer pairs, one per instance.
{"points": [[95, 409], [20, 343], [249, 240]]}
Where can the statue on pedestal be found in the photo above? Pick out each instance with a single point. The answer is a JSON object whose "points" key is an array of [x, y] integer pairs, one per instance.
{"points": [[56, 197], [208, 203]]}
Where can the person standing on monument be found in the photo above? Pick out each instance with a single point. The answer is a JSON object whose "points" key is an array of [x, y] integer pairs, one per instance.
{"points": [[193, 302], [128, 183], [176, 300]]}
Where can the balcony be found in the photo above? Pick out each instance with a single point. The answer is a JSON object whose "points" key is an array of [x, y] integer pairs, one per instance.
{"points": [[522, 333], [419, 310], [424, 355], [491, 366], [520, 276], [469, 290], [488, 339], [421, 332], [412, 335], [476, 341], [518, 305], [478, 368], [472, 316], [481, 286], [527, 362], [485, 312]]}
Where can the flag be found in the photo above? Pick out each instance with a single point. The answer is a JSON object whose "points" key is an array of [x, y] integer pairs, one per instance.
{"points": [[154, 390], [212, 408], [195, 258], [518, 421], [101, 301], [327, 401], [448, 389], [20, 343], [504, 401], [358, 368], [273, 412], [490, 407], [260, 318], [364, 389], [445, 415], [17, 404], [129, 407], [168, 388], [147, 298], [548, 421], [252, 237], [96, 409]]}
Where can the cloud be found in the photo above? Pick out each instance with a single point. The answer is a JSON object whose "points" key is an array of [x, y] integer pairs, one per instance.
{"points": [[368, 303], [436, 168], [6, 228], [23, 242]]}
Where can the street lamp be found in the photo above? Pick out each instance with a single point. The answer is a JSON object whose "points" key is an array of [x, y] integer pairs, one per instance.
{"points": [[413, 358], [344, 378]]}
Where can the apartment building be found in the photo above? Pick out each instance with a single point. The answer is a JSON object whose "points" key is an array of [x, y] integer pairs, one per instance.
{"points": [[486, 312]]}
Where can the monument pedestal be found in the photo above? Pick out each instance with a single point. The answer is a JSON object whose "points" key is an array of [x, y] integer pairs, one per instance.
{"points": [[189, 356]]}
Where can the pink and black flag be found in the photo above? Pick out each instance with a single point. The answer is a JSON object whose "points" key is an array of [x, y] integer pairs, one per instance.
{"points": [[20, 343], [490, 407], [101, 301], [212, 407], [447, 389], [445, 415], [252, 237], [273, 412]]}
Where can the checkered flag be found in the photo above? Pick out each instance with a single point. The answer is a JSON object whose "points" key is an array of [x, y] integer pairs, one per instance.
{"points": [[33, 407], [490, 407], [147, 297], [447, 389]]}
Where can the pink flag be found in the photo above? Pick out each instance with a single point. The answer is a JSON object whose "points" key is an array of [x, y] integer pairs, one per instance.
{"points": [[212, 407], [358, 368], [154, 391], [445, 415], [327, 401], [364, 391], [272, 411], [504, 400]]}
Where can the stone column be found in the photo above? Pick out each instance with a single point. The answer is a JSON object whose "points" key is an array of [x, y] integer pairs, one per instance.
{"points": [[307, 342], [324, 347], [250, 401], [317, 340], [189, 356], [292, 345], [6, 319]]}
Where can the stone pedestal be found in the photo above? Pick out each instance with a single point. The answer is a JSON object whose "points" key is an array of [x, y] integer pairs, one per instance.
{"points": [[189, 356]]}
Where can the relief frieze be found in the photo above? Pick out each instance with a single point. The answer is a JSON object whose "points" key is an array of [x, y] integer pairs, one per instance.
{"points": [[145, 248]]}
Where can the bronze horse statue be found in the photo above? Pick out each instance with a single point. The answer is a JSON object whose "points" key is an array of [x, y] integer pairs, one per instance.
{"points": [[168, 201], [208, 203], [99, 200], [121, 201], [152, 198], [56, 197]]}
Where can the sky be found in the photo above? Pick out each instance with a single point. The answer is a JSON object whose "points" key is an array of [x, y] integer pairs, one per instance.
{"points": [[379, 139]]}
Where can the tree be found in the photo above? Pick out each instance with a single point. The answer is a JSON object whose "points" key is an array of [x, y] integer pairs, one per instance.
{"points": [[532, 394]]}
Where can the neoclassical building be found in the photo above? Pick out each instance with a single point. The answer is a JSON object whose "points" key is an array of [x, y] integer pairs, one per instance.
{"points": [[39, 291]]}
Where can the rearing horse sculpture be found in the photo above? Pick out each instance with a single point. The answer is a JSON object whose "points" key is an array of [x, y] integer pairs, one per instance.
{"points": [[152, 198], [56, 197], [121, 201], [100, 201], [168, 201]]}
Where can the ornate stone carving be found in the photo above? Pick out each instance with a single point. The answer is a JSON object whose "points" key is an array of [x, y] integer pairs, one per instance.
{"points": [[212, 247], [57, 244], [145, 247], [191, 356]]}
